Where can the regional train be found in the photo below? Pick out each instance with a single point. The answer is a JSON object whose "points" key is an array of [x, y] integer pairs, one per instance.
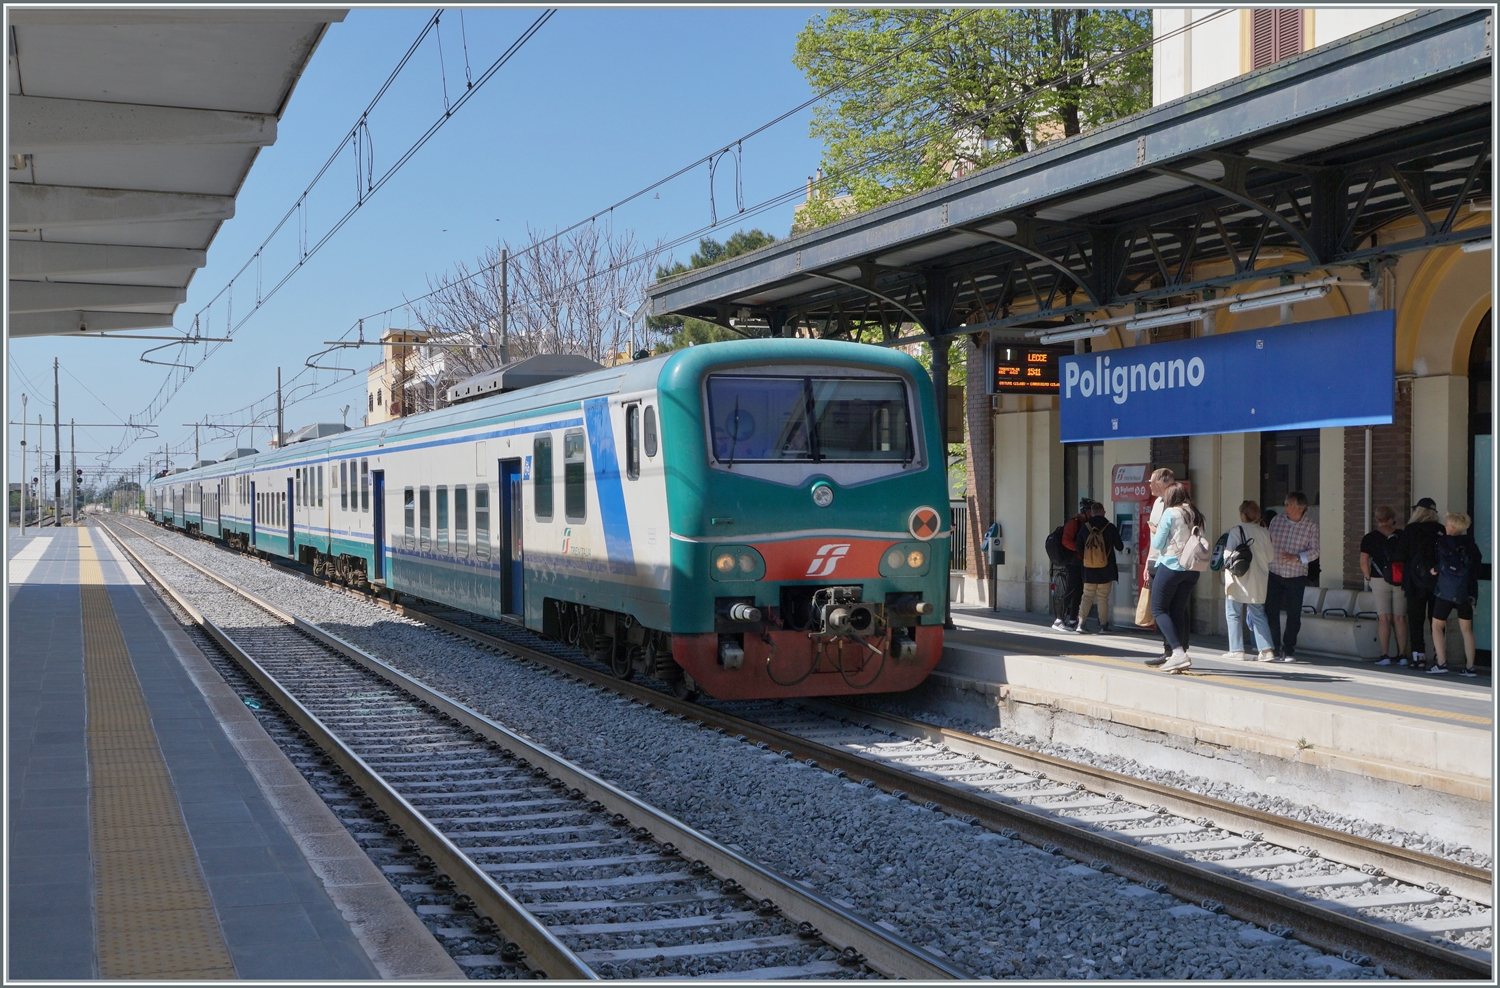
{"points": [[747, 519]]}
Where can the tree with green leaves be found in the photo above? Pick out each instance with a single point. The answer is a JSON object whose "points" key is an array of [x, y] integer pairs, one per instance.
{"points": [[965, 90], [687, 332]]}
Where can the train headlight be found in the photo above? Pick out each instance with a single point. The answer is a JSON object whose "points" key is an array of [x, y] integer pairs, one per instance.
{"points": [[906, 559], [822, 494], [736, 562]]}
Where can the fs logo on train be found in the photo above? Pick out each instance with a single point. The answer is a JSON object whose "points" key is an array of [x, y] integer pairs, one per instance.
{"points": [[924, 523], [826, 558]]}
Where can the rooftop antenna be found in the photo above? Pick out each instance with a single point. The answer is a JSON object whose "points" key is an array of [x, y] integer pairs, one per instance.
{"points": [[344, 412]]}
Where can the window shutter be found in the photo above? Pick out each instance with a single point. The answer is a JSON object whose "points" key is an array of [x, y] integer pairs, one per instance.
{"points": [[1288, 33], [1262, 38], [1275, 34]]}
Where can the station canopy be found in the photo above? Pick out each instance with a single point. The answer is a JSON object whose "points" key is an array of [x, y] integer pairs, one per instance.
{"points": [[131, 132], [1298, 167]]}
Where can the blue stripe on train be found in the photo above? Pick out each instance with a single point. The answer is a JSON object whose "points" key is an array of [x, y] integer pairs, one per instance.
{"points": [[607, 482]]}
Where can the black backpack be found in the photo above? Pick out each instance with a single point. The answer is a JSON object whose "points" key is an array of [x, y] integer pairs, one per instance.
{"points": [[1056, 551], [1237, 560], [1421, 558], [1453, 576]]}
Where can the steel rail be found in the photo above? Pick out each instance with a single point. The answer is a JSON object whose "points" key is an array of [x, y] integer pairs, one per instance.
{"points": [[542, 950], [1320, 927], [1415, 867], [880, 949]]}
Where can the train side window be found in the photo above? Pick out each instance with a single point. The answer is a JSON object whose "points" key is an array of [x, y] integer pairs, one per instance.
{"points": [[409, 499], [633, 442], [461, 520], [344, 485], [297, 486], [575, 480], [650, 431], [320, 485], [541, 476], [482, 521], [442, 519], [364, 485], [424, 511]]}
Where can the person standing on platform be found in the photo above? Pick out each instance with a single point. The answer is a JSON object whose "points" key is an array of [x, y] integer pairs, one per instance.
{"points": [[1099, 541], [1161, 479], [1294, 544], [1245, 594], [1377, 563], [1457, 588], [1172, 585], [1073, 564], [1419, 559]]}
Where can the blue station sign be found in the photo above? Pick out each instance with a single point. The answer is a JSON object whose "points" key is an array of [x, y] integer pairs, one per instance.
{"points": [[1311, 375]]}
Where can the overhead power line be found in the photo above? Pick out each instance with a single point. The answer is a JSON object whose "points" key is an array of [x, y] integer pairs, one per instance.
{"points": [[831, 179], [368, 183], [784, 197]]}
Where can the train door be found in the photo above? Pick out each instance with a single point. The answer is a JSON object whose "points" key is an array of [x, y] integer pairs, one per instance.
{"points": [[511, 570], [291, 515], [378, 477], [254, 514]]}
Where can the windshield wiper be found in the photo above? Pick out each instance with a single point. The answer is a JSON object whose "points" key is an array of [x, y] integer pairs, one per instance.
{"points": [[734, 432], [814, 446]]}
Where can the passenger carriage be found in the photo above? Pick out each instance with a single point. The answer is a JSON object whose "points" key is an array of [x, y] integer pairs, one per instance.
{"points": [[748, 519]]}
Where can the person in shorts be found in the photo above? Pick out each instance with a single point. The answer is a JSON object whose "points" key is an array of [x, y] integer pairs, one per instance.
{"points": [[1457, 580], [1376, 562]]}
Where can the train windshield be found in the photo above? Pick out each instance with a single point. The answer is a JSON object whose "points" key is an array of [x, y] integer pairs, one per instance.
{"points": [[820, 419]]}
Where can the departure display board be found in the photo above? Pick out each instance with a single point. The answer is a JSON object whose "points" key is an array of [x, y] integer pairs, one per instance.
{"points": [[1025, 369]]}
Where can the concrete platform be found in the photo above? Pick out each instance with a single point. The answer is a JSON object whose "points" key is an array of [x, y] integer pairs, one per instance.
{"points": [[156, 831], [1323, 726]]}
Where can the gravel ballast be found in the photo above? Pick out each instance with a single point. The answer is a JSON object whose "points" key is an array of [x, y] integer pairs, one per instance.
{"points": [[997, 907]]}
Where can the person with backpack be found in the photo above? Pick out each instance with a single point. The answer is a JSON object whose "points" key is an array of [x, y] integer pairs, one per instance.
{"points": [[1246, 564], [1101, 540], [1182, 553], [1457, 588], [1377, 561], [1418, 564], [1072, 562], [1294, 545]]}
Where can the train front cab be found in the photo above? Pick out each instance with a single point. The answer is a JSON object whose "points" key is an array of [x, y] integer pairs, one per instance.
{"points": [[809, 555]]}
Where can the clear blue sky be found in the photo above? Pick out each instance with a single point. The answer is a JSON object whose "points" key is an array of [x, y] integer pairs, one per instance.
{"points": [[598, 104]]}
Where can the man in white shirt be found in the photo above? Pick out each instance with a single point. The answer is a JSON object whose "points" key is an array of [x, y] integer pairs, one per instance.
{"points": [[1161, 479]]}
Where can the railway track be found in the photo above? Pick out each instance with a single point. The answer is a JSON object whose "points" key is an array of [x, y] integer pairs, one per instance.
{"points": [[582, 879], [1291, 878]]}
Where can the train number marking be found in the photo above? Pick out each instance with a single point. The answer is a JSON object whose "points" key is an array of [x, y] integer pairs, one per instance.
{"points": [[827, 558]]}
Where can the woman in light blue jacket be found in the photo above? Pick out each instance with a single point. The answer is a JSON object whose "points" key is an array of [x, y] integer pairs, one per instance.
{"points": [[1172, 585]]}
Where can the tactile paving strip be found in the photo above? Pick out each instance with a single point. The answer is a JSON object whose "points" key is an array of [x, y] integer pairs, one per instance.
{"points": [[155, 918]]}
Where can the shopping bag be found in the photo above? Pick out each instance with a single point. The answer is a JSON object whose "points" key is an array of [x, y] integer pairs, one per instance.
{"points": [[1143, 618]]}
